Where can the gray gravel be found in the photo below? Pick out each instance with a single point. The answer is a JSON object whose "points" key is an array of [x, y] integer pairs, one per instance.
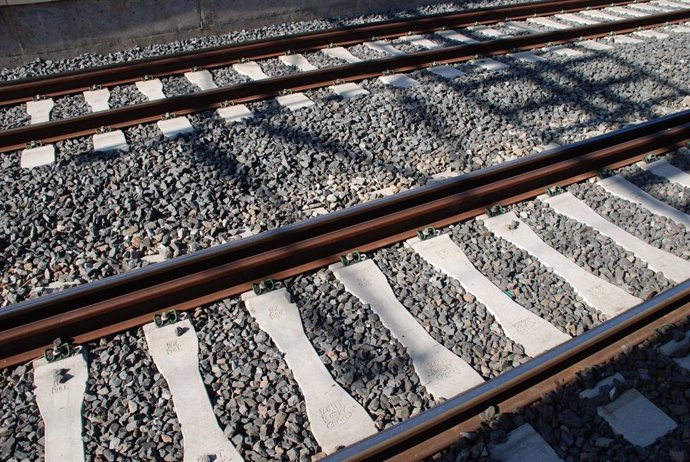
{"points": [[14, 116], [450, 315], [44, 67], [128, 411], [358, 351], [225, 76], [178, 85], [69, 106], [256, 398], [593, 251], [211, 186], [533, 286], [125, 95], [673, 194], [21, 429], [274, 67], [573, 428], [657, 231], [93, 215]]}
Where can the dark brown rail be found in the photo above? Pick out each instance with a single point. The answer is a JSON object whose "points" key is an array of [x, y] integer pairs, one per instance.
{"points": [[93, 310], [71, 82], [152, 111]]}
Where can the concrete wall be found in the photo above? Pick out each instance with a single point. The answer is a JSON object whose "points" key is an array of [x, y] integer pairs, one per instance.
{"points": [[65, 28]]}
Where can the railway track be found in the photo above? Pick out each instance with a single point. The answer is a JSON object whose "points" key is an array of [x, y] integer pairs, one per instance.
{"points": [[250, 267], [170, 112], [107, 76], [496, 349]]}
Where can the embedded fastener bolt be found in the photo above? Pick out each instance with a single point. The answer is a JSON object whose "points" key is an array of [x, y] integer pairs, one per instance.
{"points": [[513, 225]]}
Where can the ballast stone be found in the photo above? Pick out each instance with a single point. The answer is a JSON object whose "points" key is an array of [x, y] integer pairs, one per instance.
{"points": [[672, 4], [535, 334], [665, 170], [591, 393], [596, 292], [601, 14], [673, 267], [576, 18], [627, 11], [622, 188], [384, 47], [652, 9], [420, 41], [550, 23]]}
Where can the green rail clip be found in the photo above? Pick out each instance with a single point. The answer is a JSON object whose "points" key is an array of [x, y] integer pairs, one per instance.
{"points": [[605, 172], [426, 233], [165, 318], [60, 350], [555, 190], [495, 210], [264, 286], [350, 258]]}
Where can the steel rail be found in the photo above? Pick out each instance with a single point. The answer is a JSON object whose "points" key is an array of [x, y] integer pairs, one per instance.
{"points": [[152, 111], [530, 380], [128, 300], [19, 91]]}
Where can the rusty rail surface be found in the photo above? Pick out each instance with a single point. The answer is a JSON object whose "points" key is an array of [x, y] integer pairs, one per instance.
{"points": [[18, 91], [128, 300], [437, 428], [152, 111]]}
